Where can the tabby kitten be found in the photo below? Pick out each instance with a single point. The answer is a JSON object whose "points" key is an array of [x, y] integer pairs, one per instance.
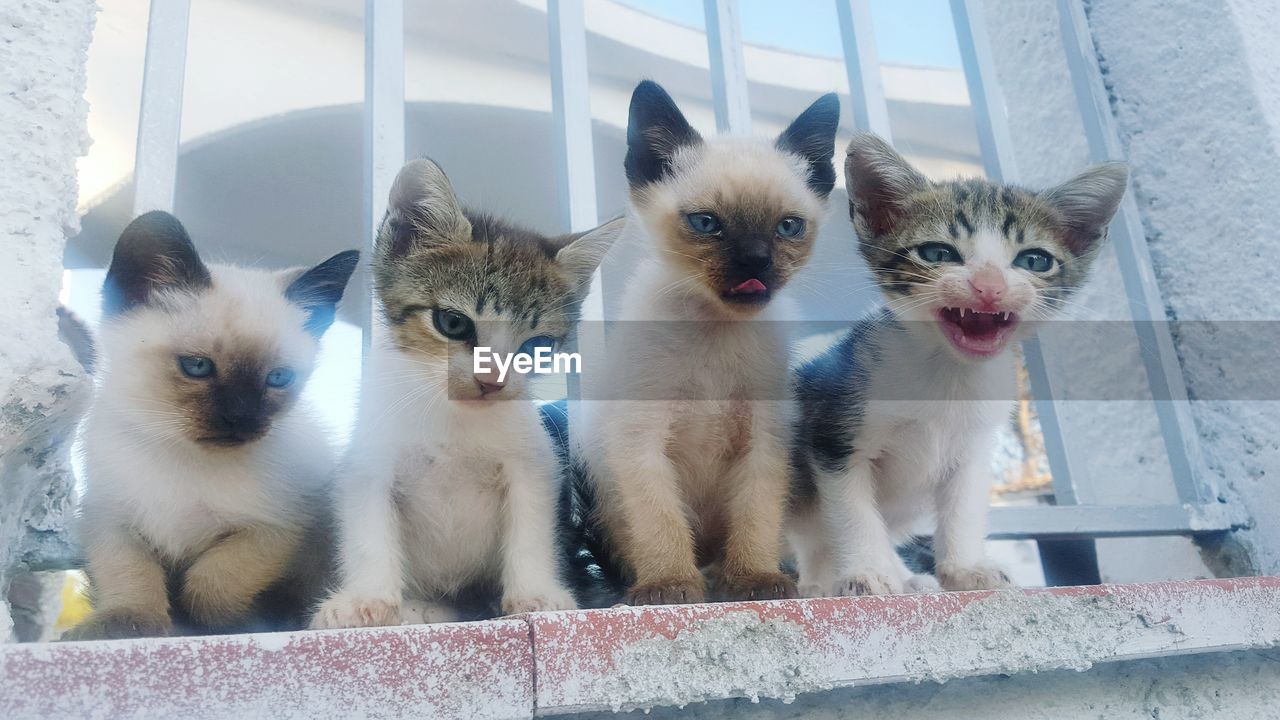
{"points": [[689, 464], [206, 489], [450, 487], [898, 416]]}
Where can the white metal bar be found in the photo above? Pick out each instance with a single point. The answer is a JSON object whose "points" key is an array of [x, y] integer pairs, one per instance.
{"points": [[1041, 522], [862, 63], [1145, 304], [160, 115], [728, 68], [383, 122], [1070, 480]]}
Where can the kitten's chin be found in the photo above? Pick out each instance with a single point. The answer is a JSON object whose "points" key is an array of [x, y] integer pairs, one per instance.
{"points": [[975, 334]]}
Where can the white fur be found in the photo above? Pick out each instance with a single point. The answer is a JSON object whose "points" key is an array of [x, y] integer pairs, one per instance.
{"points": [[144, 477], [437, 495]]}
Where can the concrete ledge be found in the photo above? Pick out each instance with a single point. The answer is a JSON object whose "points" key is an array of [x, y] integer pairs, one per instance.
{"points": [[554, 663]]}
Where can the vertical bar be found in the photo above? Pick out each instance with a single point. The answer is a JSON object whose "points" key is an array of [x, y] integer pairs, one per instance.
{"points": [[1159, 356], [160, 115], [383, 122], [575, 166], [862, 63], [1070, 483], [728, 68]]}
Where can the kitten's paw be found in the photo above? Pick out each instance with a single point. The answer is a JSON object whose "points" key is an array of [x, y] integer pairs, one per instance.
{"points": [[676, 591], [813, 590], [975, 577], [423, 612], [118, 623], [868, 583], [550, 599], [757, 586], [344, 611], [922, 585]]}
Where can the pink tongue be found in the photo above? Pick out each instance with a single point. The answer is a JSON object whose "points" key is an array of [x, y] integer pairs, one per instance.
{"points": [[751, 286]]}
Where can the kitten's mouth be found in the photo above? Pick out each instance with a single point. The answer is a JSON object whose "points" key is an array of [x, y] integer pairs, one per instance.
{"points": [[975, 332], [748, 292]]}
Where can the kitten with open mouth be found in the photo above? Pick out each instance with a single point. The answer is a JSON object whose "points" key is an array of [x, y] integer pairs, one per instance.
{"points": [[897, 417]]}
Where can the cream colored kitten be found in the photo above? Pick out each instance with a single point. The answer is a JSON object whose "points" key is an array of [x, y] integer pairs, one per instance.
{"points": [[205, 478]]}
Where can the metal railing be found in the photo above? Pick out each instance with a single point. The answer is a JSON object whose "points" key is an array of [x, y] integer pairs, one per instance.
{"points": [[1076, 516]]}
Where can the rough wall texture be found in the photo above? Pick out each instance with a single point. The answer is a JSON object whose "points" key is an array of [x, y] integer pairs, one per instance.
{"points": [[42, 388], [1195, 90]]}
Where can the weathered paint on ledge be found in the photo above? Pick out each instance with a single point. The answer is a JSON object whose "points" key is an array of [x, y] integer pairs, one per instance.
{"points": [[473, 670], [634, 657], [631, 657]]}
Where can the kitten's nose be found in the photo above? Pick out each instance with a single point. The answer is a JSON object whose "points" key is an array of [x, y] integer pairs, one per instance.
{"points": [[988, 285], [754, 260], [241, 425], [489, 386]]}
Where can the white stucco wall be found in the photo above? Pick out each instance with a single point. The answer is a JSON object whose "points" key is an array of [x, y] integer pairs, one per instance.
{"points": [[42, 388]]}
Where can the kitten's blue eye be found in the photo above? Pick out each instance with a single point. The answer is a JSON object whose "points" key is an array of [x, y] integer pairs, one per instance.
{"points": [[790, 227], [194, 366], [280, 378], [938, 253], [531, 345], [1037, 261], [703, 223], [453, 324]]}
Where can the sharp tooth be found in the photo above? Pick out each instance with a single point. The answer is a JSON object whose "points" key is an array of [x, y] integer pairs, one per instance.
{"points": [[1000, 316]]}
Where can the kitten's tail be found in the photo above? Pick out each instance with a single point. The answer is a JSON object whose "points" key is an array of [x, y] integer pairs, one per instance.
{"points": [[76, 334]]}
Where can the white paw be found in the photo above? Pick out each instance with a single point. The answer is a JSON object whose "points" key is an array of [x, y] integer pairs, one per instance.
{"points": [[922, 585], [423, 612], [868, 583], [346, 611], [974, 577], [538, 601], [812, 590]]}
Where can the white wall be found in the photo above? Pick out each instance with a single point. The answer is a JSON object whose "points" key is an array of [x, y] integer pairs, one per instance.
{"points": [[42, 131]]}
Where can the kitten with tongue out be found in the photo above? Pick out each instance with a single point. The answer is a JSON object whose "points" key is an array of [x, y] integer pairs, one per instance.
{"points": [[898, 415], [688, 458]]}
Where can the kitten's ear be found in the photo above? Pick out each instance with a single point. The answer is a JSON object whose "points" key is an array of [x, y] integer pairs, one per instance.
{"points": [[422, 210], [812, 136], [655, 130], [1087, 202], [153, 253], [879, 181], [582, 253], [319, 289]]}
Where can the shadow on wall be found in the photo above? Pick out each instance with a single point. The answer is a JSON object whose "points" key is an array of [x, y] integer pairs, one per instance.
{"points": [[289, 189]]}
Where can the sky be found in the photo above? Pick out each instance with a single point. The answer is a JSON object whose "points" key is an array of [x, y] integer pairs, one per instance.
{"points": [[908, 32]]}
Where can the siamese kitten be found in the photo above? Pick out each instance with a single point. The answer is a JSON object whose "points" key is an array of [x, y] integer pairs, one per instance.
{"points": [[206, 482], [898, 417], [689, 466], [450, 488]]}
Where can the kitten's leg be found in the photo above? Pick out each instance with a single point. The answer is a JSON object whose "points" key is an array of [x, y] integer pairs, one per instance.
{"points": [[220, 586], [869, 563], [530, 567], [960, 542], [128, 582], [757, 502], [370, 554], [644, 490], [812, 550]]}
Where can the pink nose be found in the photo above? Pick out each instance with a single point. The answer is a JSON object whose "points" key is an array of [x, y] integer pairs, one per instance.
{"points": [[988, 285]]}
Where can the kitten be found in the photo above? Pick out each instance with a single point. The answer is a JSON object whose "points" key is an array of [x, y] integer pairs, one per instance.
{"points": [[450, 487], [206, 487], [690, 464], [897, 417]]}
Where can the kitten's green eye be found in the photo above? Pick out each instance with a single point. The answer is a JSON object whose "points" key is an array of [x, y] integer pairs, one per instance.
{"points": [[280, 378], [703, 223], [790, 227], [1037, 261], [194, 366], [531, 345], [938, 253], [453, 324]]}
